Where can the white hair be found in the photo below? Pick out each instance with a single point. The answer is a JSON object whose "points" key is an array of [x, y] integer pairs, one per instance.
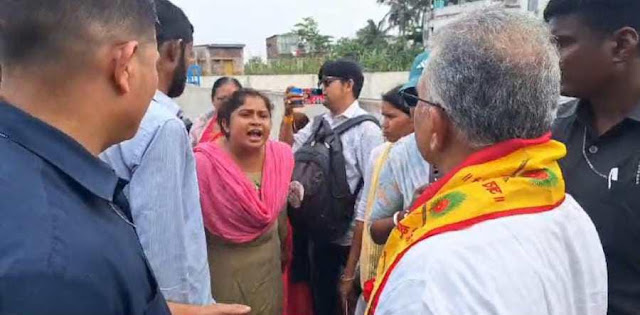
{"points": [[497, 75]]}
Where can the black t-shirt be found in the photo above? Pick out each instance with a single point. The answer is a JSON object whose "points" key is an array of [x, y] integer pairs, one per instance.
{"points": [[611, 200], [67, 245]]}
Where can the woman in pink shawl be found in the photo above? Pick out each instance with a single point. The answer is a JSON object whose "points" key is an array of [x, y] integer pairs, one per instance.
{"points": [[244, 183]]}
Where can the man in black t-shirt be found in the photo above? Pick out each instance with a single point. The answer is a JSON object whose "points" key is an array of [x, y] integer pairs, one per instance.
{"points": [[600, 60]]}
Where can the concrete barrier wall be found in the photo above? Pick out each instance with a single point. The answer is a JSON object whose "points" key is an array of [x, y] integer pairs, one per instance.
{"points": [[197, 100], [375, 84]]}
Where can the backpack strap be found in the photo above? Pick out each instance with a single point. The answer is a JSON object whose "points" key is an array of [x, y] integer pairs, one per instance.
{"points": [[316, 127], [347, 125]]}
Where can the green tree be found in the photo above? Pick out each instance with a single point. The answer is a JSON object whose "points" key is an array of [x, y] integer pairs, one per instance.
{"points": [[406, 15], [309, 33], [372, 34]]}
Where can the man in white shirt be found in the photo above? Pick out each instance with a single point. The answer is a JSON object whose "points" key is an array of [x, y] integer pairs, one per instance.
{"points": [[342, 82], [497, 234]]}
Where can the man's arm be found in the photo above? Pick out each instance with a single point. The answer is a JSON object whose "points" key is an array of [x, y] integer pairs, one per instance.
{"points": [[213, 309], [286, 130], [287, 134], [404, 298], [156, 194]]}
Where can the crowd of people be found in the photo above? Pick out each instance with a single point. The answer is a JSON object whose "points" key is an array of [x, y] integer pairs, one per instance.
{"points": [[479, 191]]}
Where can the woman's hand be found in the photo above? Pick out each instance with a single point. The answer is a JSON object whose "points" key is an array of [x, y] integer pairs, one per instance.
{"points": [[348, 296]]}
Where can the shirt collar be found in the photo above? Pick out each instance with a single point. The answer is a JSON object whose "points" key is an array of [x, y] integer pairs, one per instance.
{"points": [[635, 113], [584, 113], [351, 111], [58, 149], [167, 102]]}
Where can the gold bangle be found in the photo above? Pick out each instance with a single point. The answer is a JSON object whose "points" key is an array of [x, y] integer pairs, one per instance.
{"points": [[288, 119], [345, 279]]}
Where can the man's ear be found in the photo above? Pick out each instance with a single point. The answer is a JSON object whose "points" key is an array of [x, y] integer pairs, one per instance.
{"points": [[440, 126], [169, 55], [174, 51], [626, 44], [123, 56], [349, 85]]}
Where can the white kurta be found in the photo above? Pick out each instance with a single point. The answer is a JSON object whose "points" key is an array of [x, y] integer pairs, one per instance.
{"points": [[546, 263]]}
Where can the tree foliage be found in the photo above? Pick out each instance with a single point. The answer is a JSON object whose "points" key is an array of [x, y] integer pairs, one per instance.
{"points": [[372, 47], [309, 34], [406, 15]]}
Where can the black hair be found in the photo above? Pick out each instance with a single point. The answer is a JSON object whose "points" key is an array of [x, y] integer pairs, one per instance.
{"points": [[345, 70], [605, 16], [236, 100], [394, 98], [172, 24], [37, 32], [222, 81]]}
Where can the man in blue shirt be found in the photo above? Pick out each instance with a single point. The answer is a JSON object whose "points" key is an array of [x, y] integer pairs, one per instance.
{"points": [[71, 71], [158, 164]]}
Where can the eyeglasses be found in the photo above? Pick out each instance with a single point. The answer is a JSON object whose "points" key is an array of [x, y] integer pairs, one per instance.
{"points": [[412, 100], [326, 81]]}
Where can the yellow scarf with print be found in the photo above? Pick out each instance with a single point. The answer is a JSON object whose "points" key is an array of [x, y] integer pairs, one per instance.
{"points": [[510, 178]]}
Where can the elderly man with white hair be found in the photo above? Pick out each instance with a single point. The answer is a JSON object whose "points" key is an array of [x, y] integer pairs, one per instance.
{"points": [[497, 234]]}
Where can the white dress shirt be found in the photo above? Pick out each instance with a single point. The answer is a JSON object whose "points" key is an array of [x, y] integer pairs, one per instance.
{"points": [[357, 145], [549, 263]]}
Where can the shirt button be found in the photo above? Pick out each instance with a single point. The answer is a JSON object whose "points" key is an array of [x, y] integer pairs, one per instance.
{"points": [[593, 149]]}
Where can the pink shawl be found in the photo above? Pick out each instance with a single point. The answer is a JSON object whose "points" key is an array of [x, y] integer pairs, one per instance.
{"points": [[231, 207]]}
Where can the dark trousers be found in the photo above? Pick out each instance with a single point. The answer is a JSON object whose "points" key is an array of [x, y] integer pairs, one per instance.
{"points": [[327, 262]]}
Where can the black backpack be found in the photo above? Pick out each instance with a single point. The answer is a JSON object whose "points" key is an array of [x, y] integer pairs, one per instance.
{"points": [[327, 208]]}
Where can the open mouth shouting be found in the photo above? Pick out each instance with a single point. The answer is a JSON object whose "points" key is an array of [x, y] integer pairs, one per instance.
{"points": [[256, 135]]}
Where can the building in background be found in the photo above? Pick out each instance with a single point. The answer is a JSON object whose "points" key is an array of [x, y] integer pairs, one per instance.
{"points": [[445, 11], [220, 59], [285, 45]]}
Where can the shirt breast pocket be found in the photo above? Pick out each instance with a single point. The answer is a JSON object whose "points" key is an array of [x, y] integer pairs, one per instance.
{"points": [[625, 189], [624, 201]]}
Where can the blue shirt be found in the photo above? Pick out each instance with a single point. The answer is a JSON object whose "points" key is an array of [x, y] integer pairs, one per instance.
{"points": [[165, 201], [66, 246], [403, 173]]}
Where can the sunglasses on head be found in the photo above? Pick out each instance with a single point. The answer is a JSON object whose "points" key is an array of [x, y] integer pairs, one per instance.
{"points": [[412, 100]]}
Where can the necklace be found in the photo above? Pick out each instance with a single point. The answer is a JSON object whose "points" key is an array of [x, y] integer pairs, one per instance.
{"points": [[586, 158]]}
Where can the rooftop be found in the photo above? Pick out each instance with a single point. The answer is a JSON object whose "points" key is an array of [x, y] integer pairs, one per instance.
{"points": [[238, 46]]}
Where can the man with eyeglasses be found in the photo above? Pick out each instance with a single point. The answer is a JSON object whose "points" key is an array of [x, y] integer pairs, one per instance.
{"points": [[497, 234], [341, 82], [599, 44]]}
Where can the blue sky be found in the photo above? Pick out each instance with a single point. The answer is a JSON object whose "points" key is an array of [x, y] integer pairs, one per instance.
{"points": [[250, 22]]}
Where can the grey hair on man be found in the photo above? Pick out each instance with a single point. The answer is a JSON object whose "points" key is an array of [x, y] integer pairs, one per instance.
{"points": [[496, 75]]}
